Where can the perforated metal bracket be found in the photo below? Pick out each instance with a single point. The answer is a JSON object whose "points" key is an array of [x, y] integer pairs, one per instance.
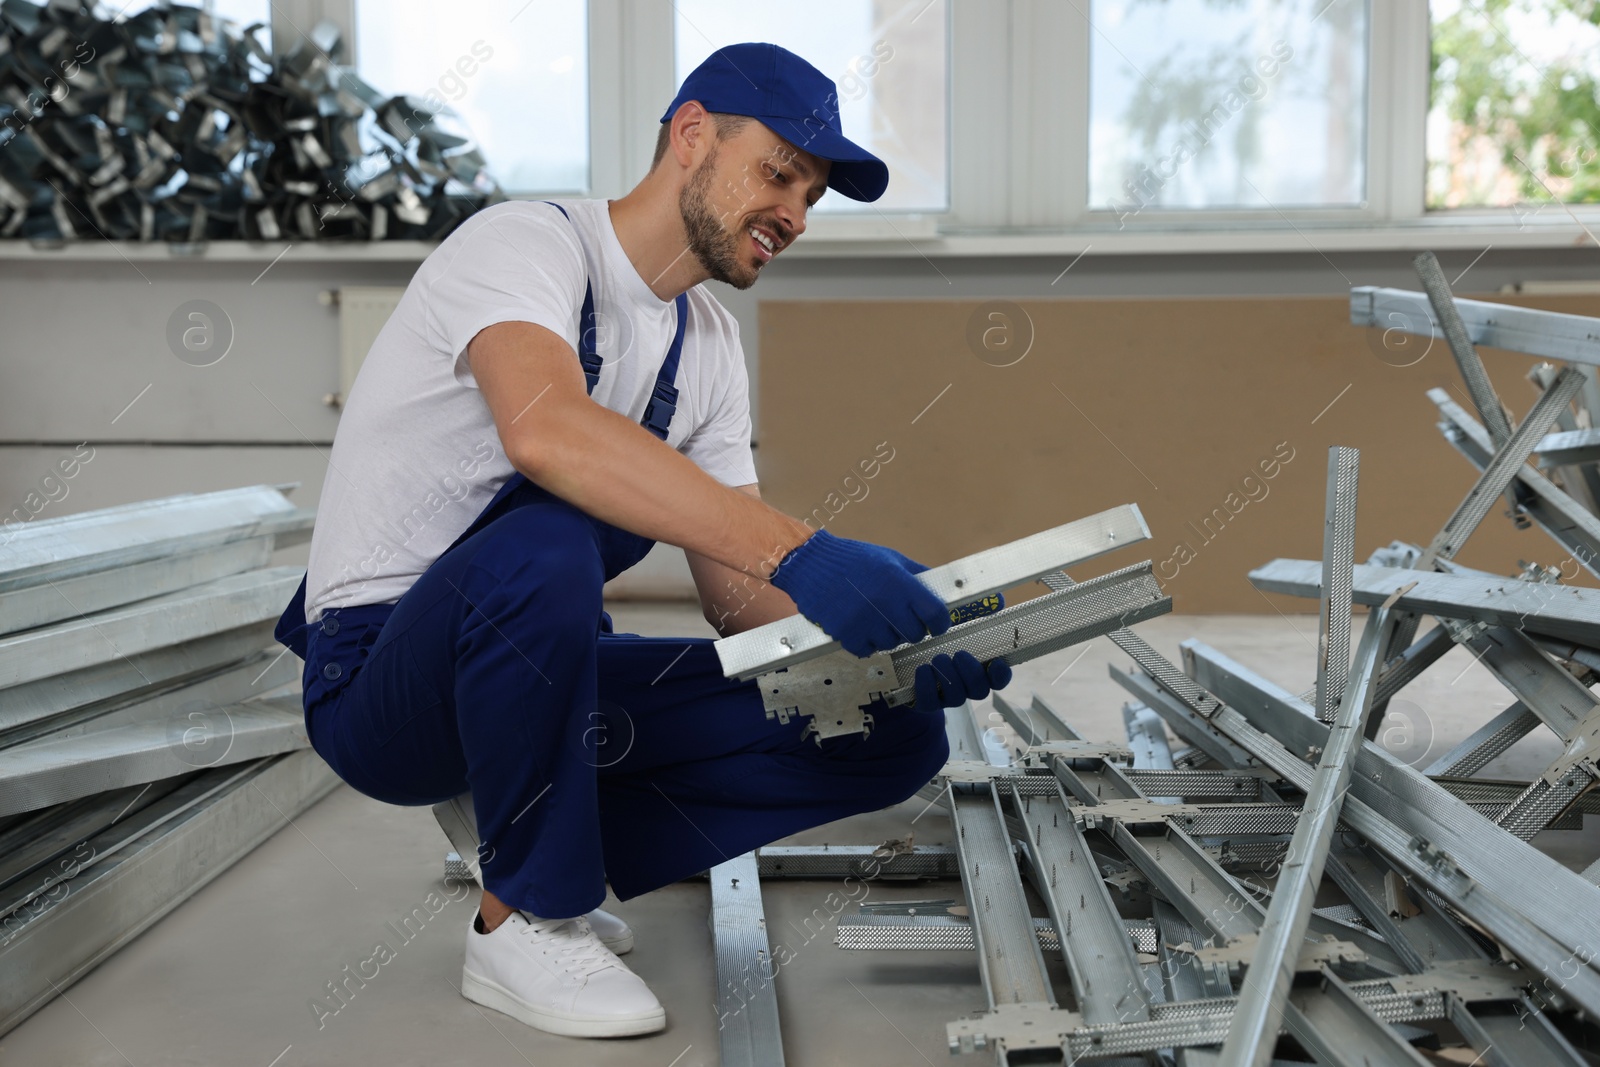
{"points": [[1013, 1027], [1582, 752], [833, 689], [1237, 953]]}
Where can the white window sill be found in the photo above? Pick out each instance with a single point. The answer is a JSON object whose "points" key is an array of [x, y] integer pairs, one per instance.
{"points": [[910, 236]]}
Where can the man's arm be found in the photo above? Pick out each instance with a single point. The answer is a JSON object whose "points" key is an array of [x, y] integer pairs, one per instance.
{"points": [[611, 467], [731, 601]]}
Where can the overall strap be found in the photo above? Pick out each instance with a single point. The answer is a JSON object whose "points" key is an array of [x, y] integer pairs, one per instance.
{"points": [[588, 345], [663, 402], [664, 397]]}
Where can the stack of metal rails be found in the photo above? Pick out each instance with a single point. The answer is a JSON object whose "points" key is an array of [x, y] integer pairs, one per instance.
{"points": [[1183, 888], [1272, 886], [151, 733]]}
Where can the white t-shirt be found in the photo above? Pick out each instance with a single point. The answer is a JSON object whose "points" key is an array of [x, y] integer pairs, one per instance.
{"points": [[417, 457]]}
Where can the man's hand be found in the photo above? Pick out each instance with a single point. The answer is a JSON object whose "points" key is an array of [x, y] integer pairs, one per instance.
{"points": [[950, 681], [864, 596]]}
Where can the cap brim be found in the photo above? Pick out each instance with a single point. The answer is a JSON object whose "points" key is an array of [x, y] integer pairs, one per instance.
{"points": [[855, 173]]}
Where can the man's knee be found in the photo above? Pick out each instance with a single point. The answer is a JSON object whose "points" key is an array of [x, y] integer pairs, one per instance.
{"points": [[920, 751]]}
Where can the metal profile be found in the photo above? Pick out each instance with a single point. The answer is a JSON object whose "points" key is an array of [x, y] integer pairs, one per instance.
{"points": [[796, 639], [1425, 831], [1252, 1034], [1008, 955], [1359, 1036], [1513, 450], [1573, 526], [1431, 879], [1106, 980], [1447, 316], [196, 834], [24, 708], [109, 636], [1569, 448], [1496, 478], [748, 1031], [141, 750], [1560, 611], [1171, 679], [836, 689], [1550, 334], [50, 550], [53, 771], [1046, 624], [1338, 556]]}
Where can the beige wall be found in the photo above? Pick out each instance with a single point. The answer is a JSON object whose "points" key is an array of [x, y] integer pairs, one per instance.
{"points": [[1173, 404]]}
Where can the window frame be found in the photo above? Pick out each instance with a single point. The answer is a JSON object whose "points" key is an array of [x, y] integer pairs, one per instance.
{"points": [[1021, 184]]}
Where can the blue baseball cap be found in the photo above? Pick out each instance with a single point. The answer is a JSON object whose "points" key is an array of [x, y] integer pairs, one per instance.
{"points": [[794, 100]]}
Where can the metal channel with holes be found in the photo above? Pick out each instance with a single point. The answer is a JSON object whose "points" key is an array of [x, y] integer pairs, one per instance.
{"points": [[1338, 556], [796, 639], [748, 1032], [1046, 624], [1105, 975]]}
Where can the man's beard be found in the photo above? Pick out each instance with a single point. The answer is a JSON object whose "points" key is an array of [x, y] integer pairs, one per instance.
{"points": [[715, 248]]}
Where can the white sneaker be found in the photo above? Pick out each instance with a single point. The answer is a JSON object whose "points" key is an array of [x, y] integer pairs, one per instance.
{"points": [[611, 929], [557, 975]]}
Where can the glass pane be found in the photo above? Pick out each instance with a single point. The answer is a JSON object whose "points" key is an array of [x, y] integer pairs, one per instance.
{"points": [[241, 13], [1515, 104], [1255, 104], [890, 62], [515, 71]]}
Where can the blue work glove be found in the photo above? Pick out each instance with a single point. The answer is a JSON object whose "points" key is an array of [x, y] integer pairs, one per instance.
{"points": [[864, 596], [949, 681]]}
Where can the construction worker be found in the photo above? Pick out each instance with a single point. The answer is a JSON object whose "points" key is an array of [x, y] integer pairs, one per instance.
{"points": [[555, 392]]}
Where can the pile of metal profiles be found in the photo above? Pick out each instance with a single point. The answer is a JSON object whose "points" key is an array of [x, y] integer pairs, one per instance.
{"points": [[1250, 878], [150, 729], [1283, 888], [172, 125]]}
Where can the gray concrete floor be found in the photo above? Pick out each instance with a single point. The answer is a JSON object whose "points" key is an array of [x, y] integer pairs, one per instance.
{"points": [[229, 976]]}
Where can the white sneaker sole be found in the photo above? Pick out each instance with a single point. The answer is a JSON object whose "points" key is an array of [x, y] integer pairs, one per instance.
{"points": [[492, 994]]}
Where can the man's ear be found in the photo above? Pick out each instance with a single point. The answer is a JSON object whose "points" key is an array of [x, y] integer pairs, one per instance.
{"points": [[691, 129]]}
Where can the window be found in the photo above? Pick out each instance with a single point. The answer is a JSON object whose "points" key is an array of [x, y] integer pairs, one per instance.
{"points": [[1244, 104], [1514, 108], [240, 13], [889, 60], [517, 76], [243, 13]]}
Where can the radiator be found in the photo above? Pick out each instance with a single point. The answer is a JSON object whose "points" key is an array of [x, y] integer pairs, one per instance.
{"points": [[363, 309]]}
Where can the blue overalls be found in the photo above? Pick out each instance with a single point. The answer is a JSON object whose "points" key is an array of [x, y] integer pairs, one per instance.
{"points": [[590, 755]]}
